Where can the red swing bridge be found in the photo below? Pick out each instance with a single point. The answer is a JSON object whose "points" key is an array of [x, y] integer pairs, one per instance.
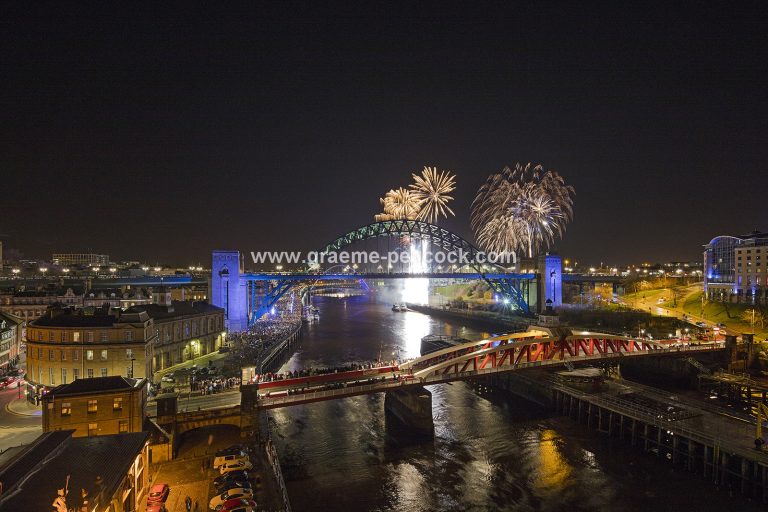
{"points": [[536, 347]]}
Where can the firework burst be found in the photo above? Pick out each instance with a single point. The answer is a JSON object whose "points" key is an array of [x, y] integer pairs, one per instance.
{"points": [[432, 189], [522, 209], [400, 204]]}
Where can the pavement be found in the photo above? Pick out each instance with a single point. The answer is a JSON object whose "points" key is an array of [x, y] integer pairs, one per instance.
{"points": [[20, 422]]}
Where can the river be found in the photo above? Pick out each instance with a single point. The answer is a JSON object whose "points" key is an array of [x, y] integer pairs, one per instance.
{"points": [[491, 451]]}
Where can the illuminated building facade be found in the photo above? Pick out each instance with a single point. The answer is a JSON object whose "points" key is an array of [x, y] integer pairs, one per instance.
{"points": [[735, 268]]}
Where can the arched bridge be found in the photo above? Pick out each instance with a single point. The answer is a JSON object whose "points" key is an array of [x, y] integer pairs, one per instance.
{"points": [[228, 280]]}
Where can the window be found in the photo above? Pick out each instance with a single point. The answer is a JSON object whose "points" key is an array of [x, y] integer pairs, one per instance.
{"points": [[63, 356], [93, 405], [75, 373], [103, 372], [51, 357], [90, 373], [104, 355], [93, 429], [63, 375], [129, 353], [122, 426], [76, 336], [89, 336], [128, 335], [51, 377], [39, 353], [51, 335], [75, 355], [63, 336], [118, 404], [186, 329], [39, 335], [89, 355], [66, 409], [104, 336]]}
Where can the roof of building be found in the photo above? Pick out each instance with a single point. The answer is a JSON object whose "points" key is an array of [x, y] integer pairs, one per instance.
{"points": [[176, 309], [56, 461], [10, 319], [87, 317], [96, 385]]}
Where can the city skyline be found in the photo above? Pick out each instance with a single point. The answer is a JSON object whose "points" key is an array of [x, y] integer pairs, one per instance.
{"points": [[145, 129]]}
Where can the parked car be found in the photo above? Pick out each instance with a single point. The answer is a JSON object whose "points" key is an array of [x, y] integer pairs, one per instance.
{"points": [[156, 508], [220, 460], [234, 485], [721, 325], [231, 494], [232, 476], [158, 494], [701, 324], [240, 465], [229, 450], [168, 377], [237, 505]]}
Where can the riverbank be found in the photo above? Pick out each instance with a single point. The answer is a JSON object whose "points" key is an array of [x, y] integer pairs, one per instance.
{"points": [[485, 319]]}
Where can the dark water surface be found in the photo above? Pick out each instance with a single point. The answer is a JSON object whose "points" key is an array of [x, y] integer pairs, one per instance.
{"points": [[490, 451]]}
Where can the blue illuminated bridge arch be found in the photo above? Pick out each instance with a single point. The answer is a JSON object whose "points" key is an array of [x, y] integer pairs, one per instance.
{"points": [[507, 285]]}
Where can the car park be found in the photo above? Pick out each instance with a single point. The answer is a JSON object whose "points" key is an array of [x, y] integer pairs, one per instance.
{"points": [[231, 494], [158, 494], [240, 465]]}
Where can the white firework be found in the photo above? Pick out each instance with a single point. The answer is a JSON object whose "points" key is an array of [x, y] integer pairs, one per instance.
{"points": [[432, 189]]}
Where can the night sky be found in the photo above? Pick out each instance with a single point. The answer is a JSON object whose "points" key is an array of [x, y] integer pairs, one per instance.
{"points": [[162, 134]]}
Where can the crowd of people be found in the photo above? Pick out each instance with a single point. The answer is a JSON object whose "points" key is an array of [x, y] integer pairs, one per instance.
{"points": [[212, 385], [308, 372], [250, 346]]}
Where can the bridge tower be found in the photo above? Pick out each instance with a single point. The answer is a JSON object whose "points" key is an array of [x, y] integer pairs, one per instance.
{"points": [[228, 289], [550, 282]]}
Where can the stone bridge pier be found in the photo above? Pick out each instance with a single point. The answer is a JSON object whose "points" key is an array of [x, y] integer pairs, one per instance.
{"points": [[412, 407]]}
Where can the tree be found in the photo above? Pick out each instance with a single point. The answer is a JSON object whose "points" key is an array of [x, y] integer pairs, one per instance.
{"points": [[754, 317]]}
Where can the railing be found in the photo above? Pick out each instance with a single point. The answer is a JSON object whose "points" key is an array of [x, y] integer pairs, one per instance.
{"points": [[280, 346]]}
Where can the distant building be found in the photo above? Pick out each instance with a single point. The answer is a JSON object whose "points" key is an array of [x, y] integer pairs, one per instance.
{"points": [[31, 304], [184, 329], [117, 297], [66, 344], [104, 473], [10, 340], [79, 259], [96, 407], [736, 268]]}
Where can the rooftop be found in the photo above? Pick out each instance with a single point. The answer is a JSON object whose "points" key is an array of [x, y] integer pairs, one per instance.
{"points": [[57, 461], [176, 309], [96, 385], [87, 317]]}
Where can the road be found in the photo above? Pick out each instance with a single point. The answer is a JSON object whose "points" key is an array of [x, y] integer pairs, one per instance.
{"points": [[16, 429], [193, 403]]}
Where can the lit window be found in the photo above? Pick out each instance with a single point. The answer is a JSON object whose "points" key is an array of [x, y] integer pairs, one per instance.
{"points": [[66, 409], [104, 355], [93, 429], [89, 355], [129, 353], [122, 426], [118, 404], [93, 405], [103, 372]]}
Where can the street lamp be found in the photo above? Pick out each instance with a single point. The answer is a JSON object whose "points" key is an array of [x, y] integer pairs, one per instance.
{"points": [[15, 270], [43, 269], [278, 267]]}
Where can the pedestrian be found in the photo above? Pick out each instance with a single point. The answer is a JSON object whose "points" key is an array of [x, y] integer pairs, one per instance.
{"points": [[197, 506], [188, 503]]}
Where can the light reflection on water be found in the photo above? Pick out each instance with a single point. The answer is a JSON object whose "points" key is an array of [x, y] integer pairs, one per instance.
{"points": [[490, 451]]}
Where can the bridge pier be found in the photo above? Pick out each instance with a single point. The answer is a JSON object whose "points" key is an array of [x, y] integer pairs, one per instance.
{"points": [[413, 408]]}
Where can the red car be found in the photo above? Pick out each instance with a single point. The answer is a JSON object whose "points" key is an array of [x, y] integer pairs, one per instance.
{"points": [[237, 505], [158, 494]]}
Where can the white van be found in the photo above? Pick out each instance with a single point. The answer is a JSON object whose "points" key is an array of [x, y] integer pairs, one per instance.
{"points": [[229, 458]]}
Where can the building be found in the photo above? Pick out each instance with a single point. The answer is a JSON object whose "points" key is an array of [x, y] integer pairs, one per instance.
{"points": [[736, 268], [31, 304], [117, 297], [10, 341], [62, 472], [96, 407], [66, 344], [79, 259], [184, 329]]}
